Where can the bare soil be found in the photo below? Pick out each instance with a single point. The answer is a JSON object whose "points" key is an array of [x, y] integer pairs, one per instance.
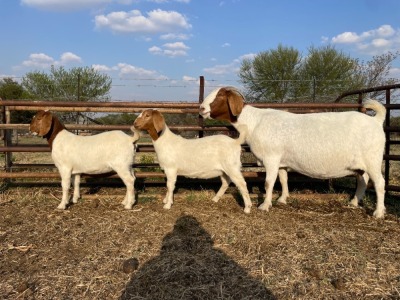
{"points": [[315, 247]]}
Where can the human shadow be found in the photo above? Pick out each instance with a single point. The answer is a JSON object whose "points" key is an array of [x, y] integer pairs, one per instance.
{"points": [[189, 267]]}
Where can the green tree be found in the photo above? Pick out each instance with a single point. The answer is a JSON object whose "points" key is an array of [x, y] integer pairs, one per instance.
{"points": [[76, 84], [330, 72], [12, 90], [323, 74], [269, 75]]}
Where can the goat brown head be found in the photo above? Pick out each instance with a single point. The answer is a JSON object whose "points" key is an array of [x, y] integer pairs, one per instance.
{"points": [[152, 121], [223, 104], [41, 123]]}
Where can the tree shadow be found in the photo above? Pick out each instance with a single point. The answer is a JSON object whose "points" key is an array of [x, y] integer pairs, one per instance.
{"points": [[188, 267]]}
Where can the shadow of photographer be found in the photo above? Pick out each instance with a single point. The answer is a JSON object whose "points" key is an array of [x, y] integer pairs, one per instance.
{"points": [[188, 267]]}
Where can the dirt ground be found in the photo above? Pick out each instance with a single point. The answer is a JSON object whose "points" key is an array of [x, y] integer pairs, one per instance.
{"points": [[315, 247]]}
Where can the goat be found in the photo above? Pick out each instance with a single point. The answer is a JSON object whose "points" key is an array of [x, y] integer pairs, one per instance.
{"points": [[206, 157], [97, 154], [319, 145]]}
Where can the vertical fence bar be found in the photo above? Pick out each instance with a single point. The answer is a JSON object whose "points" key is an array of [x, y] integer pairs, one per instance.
{"points": [[387, 134], [3, 132], [359, 101], [7, 140], [201, 98]]}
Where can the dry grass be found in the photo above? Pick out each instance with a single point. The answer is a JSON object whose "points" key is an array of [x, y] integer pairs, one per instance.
{"points": [[316, 247], [313, 248]]}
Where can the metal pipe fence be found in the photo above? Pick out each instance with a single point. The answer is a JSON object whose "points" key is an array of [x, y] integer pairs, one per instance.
{"points": [[143, 170]]}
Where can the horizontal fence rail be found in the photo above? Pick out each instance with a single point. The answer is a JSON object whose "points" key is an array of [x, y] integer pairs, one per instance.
{"points": [[142, 170]]}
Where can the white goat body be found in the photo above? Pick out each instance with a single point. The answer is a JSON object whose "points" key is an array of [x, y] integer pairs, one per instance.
{"points": [[319, 145], [98, 154], [206, 157]]}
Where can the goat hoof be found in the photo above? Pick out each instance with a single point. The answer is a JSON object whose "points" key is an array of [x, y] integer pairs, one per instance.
{"points": [[282, 201], [61, 207], [354, 203], [215, 199], [167, 206], [247, 210], [379, 214], [264, 207]]}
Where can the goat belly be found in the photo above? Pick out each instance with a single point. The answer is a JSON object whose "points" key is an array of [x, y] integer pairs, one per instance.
{"points": [[90, 170], [204, 174], [320, 169]]}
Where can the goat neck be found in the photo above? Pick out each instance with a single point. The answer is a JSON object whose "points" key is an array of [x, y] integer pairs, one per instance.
{"points": [[154, 134], [56, 127]]}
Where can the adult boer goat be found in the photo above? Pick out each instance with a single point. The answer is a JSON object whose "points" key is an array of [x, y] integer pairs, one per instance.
{"points": [[207, 157], [97, 154], [319, 145]]}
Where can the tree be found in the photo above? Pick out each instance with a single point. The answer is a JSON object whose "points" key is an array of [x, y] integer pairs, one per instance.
{"points": [[329, 70], [322, 75], [375, 72], [76, 84], [12, 90], [269, 75]]}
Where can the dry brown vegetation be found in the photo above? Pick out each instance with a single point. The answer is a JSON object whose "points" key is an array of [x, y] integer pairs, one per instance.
{"points": [[315, 247]]}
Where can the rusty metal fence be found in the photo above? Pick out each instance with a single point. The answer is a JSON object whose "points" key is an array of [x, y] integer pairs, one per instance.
{"points": [[144, 170]]}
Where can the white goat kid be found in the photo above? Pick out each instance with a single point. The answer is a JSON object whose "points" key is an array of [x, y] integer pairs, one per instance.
{"points": [[319, 145], [97, 154], [206, 157]]}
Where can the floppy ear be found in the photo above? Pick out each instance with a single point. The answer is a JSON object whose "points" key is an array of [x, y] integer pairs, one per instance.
{"points": [[45, 123], [235, 102], [158, 120]]}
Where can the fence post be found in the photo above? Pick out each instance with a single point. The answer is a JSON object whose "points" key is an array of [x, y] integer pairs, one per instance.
{"points": [[201, 98], [387, 133], [7, 139]]}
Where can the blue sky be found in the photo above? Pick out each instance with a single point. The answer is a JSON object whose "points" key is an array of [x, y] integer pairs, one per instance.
{"points": [[157, 49]]}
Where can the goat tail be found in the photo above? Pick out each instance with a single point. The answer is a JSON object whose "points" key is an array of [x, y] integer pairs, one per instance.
{"points": [[380, 110], [136, 134], [242, 129]]}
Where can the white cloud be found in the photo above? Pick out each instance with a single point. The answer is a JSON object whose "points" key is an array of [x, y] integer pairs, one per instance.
{"points": [[230, 68], [44, 61], [175, 36], [128, 71], [225, 45], [170, 49], [69, 57], [375, 41], [155, 50], [65, 5], [101, 68], [39, 60], [346, 37], [246, 56], [154, 22]]}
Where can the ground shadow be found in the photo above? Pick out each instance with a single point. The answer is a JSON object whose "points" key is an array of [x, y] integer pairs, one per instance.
{"points": [[189, 267]]}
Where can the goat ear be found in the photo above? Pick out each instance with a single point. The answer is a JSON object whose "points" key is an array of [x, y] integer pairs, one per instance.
{"points": [[235, 102], [158, 120], [45, 123]]}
